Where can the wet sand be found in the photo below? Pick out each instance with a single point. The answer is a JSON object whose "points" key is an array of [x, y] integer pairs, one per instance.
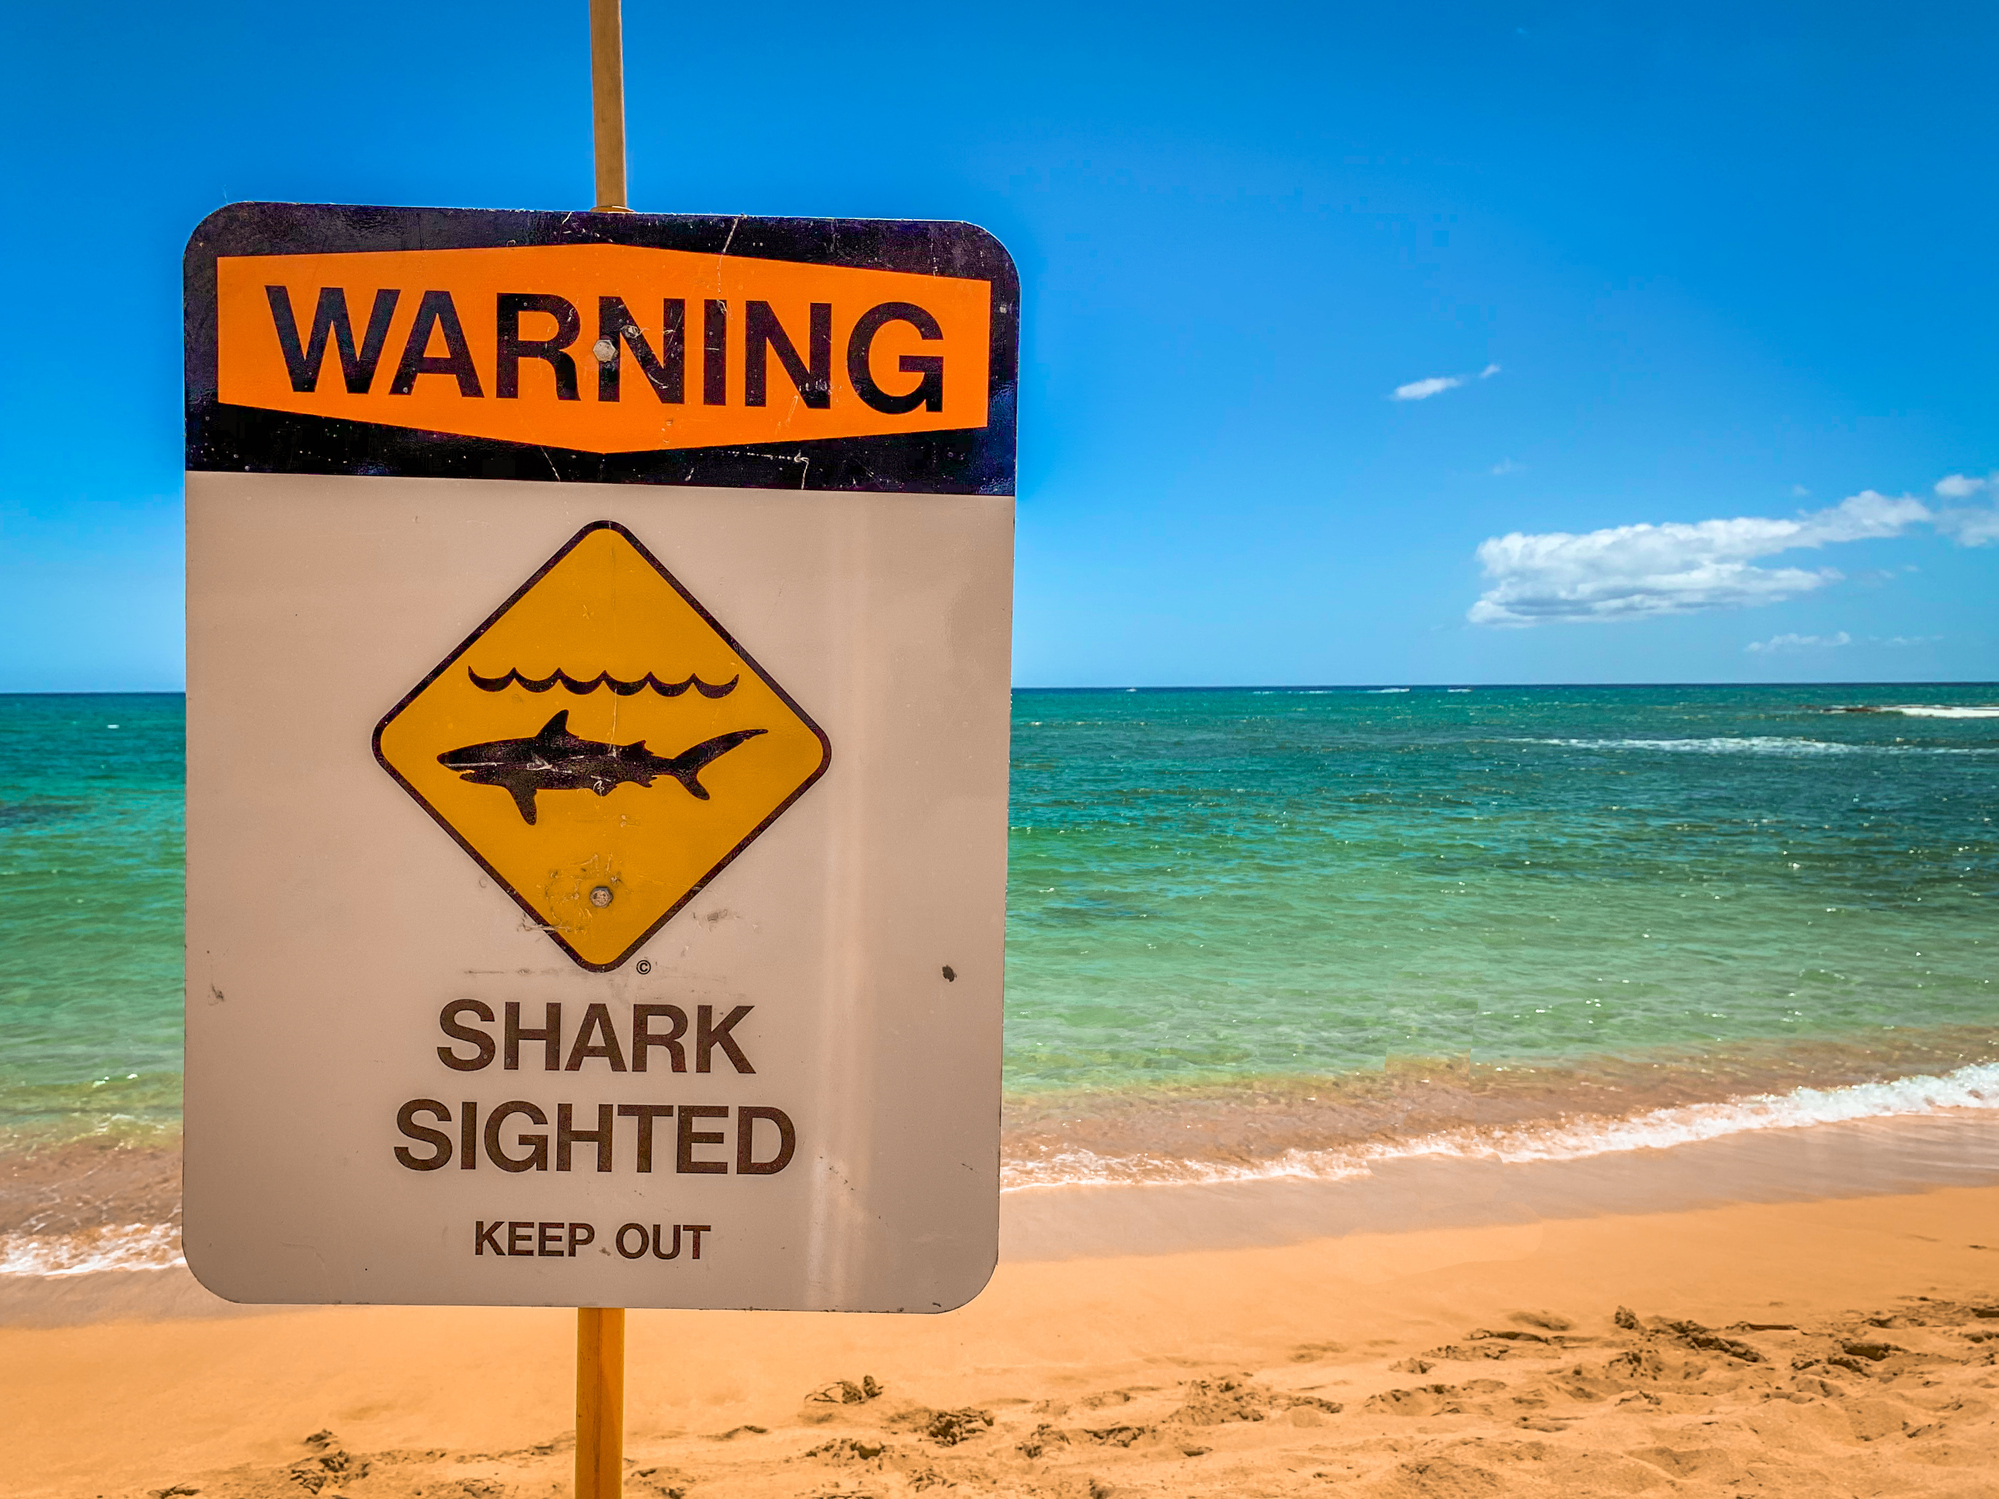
{"points": [[1833, 1345], [1857, 1158]]}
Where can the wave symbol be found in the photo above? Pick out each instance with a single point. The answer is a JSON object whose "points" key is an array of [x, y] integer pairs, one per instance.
{"points": [[582, 685]]}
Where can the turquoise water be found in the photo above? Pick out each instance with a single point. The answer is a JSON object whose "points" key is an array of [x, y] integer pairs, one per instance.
{"points": [[1239, 883], [1223, 888], [90, 912]]}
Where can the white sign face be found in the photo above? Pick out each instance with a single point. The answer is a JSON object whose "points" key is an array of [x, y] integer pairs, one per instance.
{"points": [[596, 852]]}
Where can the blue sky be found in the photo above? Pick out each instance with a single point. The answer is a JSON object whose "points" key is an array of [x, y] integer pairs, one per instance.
{"points": [[1729, 267]]}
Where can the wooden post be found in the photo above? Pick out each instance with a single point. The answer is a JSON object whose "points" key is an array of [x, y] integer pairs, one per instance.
{"points": [[600, 1402], [607, 94], [600, 1330]]}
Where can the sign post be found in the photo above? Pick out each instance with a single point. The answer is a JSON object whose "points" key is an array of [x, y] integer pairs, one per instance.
{"points": [[607, 103], [600, 1402], [597, 718], [600, 1331]]}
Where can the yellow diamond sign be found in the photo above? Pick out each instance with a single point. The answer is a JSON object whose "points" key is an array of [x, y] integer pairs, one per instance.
{"points": [[602, 746]]}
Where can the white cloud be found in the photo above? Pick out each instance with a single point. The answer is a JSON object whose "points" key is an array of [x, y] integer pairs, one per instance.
{"points": [[1799, 642], [1422, 390], [1507, 466], [1635, 572], [1436, 385], [1973, 526], [1970, 528]]}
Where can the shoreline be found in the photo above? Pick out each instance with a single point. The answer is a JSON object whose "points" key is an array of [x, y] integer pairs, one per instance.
{"points": [[1332, 1128], [103, 1200], [1815, 1163], [1833, 1162]]}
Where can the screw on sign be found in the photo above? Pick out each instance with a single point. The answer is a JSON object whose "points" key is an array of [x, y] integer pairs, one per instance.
{"points": [[597, 718]]}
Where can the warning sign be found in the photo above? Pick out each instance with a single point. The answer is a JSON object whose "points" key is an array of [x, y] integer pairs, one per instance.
{"points": [[602, 746], [598, 692], [607, 348], [828, 354]]}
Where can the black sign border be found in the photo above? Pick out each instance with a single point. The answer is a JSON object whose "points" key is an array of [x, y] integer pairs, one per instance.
{"points": [[243, 439]]}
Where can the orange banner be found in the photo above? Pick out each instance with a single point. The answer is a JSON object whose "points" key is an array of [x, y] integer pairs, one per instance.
{"points": [[603, 348]]}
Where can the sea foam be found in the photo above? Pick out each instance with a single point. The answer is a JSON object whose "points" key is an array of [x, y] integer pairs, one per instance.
{"points": [[132, 1246], [1945, 710], [1760, 744], [1575, 1138]]}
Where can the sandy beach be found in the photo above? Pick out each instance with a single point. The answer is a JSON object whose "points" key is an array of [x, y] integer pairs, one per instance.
{"points": [[1835, 1346]]}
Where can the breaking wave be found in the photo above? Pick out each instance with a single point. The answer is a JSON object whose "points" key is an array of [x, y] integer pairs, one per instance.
{"points": [[1760, 744], [131, 1246], [1938, 710], [1974, 1087]]}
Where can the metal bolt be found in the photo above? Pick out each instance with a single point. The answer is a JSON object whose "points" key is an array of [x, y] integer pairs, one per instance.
{"points": [[600, 895]]}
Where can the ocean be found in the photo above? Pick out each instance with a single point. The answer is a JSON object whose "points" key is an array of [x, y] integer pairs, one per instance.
{"points": [[1252, 933]]}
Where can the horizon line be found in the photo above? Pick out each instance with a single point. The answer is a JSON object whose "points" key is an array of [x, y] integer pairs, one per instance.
{"points": [[1405, 685]]}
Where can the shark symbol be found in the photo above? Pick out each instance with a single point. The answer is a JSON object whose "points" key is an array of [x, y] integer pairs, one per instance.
{"points": [[557, 760]]}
